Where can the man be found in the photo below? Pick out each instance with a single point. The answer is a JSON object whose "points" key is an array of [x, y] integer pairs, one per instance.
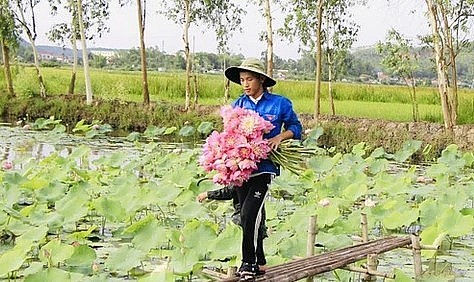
{"points": [[251, 195]]}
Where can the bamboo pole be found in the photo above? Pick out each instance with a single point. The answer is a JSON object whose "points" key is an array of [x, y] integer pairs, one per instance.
{"points": [[365, 270], [231, 271], [314, 265], [214, 274], [357, 239], [372, 263], [312, 231], [429, 247], [363, 225], [416, 248]]}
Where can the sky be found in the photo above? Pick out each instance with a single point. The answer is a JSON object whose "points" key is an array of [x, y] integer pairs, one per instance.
{"points": [[374, 20]]}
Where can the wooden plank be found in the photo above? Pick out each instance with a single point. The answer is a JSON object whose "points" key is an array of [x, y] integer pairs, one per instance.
{"points": [[310, 266]]}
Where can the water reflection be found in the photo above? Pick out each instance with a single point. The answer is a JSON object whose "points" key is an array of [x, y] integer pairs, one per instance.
{"points": [[18, 145]]}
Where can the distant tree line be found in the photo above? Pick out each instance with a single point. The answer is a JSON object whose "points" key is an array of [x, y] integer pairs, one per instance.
{"points": [[364, 62]]}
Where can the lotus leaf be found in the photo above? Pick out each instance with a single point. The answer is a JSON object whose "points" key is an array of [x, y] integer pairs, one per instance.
{"points": [[53, 274], [124, 258], [187, 131], [55, 252], [14, 258], [205, 128]]}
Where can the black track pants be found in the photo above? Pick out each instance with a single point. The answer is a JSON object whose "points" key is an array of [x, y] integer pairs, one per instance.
{"points": [[251, 197]]}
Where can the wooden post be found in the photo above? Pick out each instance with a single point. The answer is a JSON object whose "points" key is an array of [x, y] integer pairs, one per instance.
{"points": [[231, 271], [372, 263], [371, 258], [416, 248], [363, 225], [312, 231]]}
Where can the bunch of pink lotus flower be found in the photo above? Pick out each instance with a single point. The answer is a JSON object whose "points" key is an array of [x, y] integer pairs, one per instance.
{"points": [[234, 153]]}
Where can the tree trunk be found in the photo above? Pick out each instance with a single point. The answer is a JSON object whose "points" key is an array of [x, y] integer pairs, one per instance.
{"points": [[226, 83], [31, 34], [72, 82], [268, 16], [317, 94], [416, 112], [410, 82], [141, 27], [85, 58], [453, 87], [7, 69], [330, 90], [196, 90], [187, 54], [440, 65], [226, 90], [37, 66]]}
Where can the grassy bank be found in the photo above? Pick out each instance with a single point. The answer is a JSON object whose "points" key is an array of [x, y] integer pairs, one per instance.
{"points": [[351, 100]]}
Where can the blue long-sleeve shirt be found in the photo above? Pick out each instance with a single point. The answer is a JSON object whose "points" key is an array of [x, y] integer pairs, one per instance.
{"points": [[279, 111]]}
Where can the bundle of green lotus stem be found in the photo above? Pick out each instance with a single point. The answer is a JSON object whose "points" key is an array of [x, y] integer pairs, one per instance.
{"points": [[292, 156]]}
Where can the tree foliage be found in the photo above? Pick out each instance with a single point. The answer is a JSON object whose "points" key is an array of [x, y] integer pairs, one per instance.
{"points": [[401, 60], [223, 16], [315, 23], [8, 41], [450, 22], [96, 14], [340, 33], [24, 13]]}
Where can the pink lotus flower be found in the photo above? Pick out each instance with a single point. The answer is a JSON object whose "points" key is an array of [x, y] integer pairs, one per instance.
{"points": [[324, 202], [233, 154], [7, 165]]}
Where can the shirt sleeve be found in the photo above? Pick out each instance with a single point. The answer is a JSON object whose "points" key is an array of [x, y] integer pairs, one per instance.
{"points": [[225, 193], [290, 119]]}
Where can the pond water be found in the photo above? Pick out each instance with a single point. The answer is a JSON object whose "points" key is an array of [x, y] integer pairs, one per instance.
{"points": [[17, 144]]}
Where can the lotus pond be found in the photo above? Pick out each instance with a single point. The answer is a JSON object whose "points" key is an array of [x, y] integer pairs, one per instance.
{"points": [[95, 208]]}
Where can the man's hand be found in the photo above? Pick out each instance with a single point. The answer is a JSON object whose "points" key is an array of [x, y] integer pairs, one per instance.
{"points": [[201, 197], [275, 141]]}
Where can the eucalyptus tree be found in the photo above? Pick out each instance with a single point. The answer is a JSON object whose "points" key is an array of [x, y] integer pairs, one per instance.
{"points": [[97, 9], [86, 21], [24, 12], [399, 56], [340, 33], [58, 33], [304, 22], [223, 16], [450, 23], [224, 24], [62, 32], [267, 35], [8, 41], [141, 17]]}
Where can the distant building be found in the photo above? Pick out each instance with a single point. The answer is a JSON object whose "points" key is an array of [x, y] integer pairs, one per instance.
{"points": [[382, 77], [49, 56], [104, 53], [281, 74]]}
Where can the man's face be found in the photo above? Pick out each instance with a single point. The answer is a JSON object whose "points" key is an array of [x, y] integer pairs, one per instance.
{"points": [[251, 83]]}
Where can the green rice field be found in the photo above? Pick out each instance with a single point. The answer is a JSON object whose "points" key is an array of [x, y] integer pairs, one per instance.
{"points": [[351, 99]]}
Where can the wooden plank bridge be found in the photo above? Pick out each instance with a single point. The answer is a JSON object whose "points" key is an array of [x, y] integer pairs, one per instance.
{"points": [[317, 264]]}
